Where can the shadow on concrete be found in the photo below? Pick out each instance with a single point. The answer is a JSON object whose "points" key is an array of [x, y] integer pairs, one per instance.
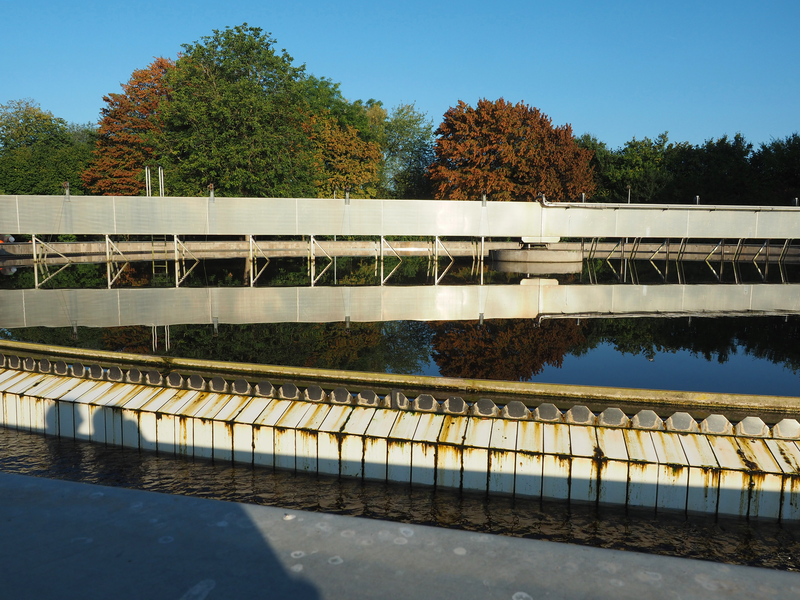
{"points": [[113, 542]]}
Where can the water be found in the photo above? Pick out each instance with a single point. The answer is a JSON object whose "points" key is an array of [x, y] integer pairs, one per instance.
{"points": [[728, 540]]}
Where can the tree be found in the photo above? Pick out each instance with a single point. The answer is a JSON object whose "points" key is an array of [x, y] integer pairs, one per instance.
{"points": [[509, 151], [129, 124], [640, 170], [602, 163], [408, 152], [38, 151], [777, 169], [719, 171], [344, 161], [510, 349], [236, 119]]}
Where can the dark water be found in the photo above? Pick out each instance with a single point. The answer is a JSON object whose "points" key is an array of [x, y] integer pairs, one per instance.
{"points": [[735, 541]]}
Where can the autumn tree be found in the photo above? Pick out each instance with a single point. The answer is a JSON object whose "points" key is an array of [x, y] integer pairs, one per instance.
{"points": [[38, 151], [344, 161], [509, 349], [508, 151], [129, 124]]}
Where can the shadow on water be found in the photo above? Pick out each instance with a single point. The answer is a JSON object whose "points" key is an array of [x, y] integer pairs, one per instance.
{"points": [[130, 543]]}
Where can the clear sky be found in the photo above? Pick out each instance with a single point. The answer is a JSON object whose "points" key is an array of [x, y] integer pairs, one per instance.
{"points": [[617, 69]]}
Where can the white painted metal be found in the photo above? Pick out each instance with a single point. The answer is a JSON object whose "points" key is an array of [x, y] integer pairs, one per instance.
{"points": [[556, 462], [399, 446], [450, 455], [352, 436], [538, 297], [502, 456], [584, 472], [673, 470], [613, 486], [423, 448], [116, 215], [703, 485], [643, 468], [529, 465], [376, 445], [475, 455]]}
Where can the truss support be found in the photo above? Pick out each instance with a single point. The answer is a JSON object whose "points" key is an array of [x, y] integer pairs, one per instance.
{"points": [[181, 272], [255, 253], [112, 270], [40, 249]]}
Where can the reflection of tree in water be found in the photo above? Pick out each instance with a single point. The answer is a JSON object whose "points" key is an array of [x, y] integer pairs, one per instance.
{"points": [[774, 339], [504, 348], [398, 347]]}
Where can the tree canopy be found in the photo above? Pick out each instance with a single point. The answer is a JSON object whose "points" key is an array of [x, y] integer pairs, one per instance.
{"points": [[38, 151], [235, 119], [508, 151], [129, 125]]}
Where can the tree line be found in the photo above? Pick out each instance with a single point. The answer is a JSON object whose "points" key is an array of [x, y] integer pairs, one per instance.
{"points": [[235, 113]]}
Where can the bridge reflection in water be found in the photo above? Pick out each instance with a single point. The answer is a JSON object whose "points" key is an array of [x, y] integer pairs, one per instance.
{"points": [[534, 299]]}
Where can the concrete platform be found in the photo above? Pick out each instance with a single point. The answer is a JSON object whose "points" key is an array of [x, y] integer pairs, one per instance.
{"points": [[74, 540]]}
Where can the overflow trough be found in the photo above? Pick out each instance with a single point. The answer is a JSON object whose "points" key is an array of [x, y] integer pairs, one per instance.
{"points": [[747, 469]]}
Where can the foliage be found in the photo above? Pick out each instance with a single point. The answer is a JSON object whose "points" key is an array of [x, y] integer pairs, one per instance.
{"points": [[129, 123], [39, 152], [777, 165], [343, 160], [508, 349], [235, 119], [640, 168], [408, 152], [510, 152], [719, 172]]}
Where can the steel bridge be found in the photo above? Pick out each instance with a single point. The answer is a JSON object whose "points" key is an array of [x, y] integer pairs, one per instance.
{"points": [[442, 221]]}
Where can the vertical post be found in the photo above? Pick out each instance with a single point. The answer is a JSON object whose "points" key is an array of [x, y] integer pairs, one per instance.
{"points": [[148, 190], [161, 180], [480, 264], [108, 262], [211, 192], [177, 265], [66, 191], [35, 262], [436, 260], [312, 260], [629, 194], [583, 197], [697, 199], [252, 260], [347, 196], [381, 260]]}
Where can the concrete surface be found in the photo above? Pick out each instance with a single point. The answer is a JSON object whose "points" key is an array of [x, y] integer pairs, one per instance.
{"points": [[74, 540]]}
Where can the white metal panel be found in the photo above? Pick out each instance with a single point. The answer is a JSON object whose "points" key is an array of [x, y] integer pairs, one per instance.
{"points": [[375, 444], [643, 468], [613, 476], [449, 458]]}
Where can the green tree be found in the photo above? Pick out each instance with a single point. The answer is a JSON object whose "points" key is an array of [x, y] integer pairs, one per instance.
{"points": [[408, 152], [39, 152], [236, 119], [719, 171], [777, 170], [602, 163], [639, 167]]}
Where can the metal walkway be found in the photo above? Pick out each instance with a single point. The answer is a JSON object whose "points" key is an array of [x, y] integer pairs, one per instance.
{"points": [[532, 221]]}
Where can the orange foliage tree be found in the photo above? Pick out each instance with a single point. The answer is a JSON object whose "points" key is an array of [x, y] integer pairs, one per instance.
{"points": [[343, 159], [508, 349], [508, 151], [128, 124]]}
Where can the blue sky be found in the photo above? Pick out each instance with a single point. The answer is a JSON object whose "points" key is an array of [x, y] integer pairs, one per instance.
{"points": [[616, 69]]}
